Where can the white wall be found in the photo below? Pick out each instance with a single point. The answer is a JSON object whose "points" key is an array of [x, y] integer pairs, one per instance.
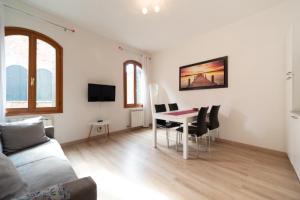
{"points": [[253, 107], [88, 57]]}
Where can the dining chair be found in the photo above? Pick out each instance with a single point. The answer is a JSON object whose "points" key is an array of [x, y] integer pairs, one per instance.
{"points": [[213, 122], [163, 123], [173, 106], [198, 131]]}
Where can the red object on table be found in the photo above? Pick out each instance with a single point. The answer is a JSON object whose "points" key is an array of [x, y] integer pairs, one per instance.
{"points": [[183, 112]]}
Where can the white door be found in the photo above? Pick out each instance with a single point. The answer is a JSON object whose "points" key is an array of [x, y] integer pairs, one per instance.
{"points": [[294, 142]]}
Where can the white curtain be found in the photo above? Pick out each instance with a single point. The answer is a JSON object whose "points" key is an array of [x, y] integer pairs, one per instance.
{"points": [[154, 89], [146, 96], [2, 68]]}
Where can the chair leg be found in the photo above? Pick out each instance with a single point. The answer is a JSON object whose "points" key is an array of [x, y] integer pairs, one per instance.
{"points": [[180, 137], [213, 136], [209, 137], [198, 145], [206, 141], [167, 135], [177, 137]]}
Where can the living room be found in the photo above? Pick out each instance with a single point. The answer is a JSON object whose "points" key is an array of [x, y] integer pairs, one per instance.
{"points": [[118, 110]]}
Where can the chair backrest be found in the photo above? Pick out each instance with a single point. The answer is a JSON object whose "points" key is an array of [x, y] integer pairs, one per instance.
{"points": [[201, 121], [173, 106], [214, 117], [160, 108]]}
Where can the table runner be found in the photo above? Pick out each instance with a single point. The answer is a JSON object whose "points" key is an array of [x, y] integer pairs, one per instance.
{"points": [[183, 112]]}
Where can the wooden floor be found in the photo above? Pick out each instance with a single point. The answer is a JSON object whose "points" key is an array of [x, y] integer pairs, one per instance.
{"points": [[126, 166]]}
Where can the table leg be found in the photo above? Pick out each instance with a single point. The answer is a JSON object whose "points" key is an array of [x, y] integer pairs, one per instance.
{"points": [[107, 129], [185, 140], [154, 132], [91, 129]]}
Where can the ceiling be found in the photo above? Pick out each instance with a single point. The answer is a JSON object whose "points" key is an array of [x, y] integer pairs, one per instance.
{"points": [[122, 20]]}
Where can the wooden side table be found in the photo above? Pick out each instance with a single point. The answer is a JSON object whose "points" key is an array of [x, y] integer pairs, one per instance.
{"points": [[104, 123]]}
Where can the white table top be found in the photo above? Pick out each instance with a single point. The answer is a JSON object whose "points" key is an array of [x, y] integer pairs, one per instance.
{"points": [[176, 118], [104, 122]]}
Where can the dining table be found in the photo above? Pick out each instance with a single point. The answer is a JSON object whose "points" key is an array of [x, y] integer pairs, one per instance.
{"points": [[181, 116]]}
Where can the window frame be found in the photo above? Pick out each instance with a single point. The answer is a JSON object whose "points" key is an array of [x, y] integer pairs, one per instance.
{"points": [[32, 69], [135, 64]]}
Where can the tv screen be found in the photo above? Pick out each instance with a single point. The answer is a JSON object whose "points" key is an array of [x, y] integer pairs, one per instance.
{"points": [[101, 92]]}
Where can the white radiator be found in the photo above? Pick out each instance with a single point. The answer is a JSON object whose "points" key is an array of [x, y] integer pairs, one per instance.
{"points": [[136, 118]]}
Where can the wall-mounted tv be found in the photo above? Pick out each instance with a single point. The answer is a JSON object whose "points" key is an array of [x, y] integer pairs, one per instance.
{"points": [[98, 92]]}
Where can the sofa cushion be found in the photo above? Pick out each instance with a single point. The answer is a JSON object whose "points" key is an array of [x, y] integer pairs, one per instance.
{"points": [[46, 172], [17, 121], [16, 137], [39, 152], [11, 183]]}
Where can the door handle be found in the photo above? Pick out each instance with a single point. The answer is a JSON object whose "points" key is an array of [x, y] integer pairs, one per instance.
{"points": [[289, 78], [294, 117], [289, 73], [32, 80]]}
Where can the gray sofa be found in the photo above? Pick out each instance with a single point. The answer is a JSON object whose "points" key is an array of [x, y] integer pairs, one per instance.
{"points": [[46, 165]]}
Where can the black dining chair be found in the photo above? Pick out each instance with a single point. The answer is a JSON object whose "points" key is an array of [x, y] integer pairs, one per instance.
{"points": [[163, 123], [173, 106], [198, 131], [213, 119]]}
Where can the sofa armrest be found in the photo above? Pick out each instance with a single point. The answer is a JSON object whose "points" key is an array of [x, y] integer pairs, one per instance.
{"points": [[49, 130], [82, 189], [57, 192]]}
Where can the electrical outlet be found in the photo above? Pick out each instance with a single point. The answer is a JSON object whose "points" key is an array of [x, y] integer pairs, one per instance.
{"points": [[99, 129]]}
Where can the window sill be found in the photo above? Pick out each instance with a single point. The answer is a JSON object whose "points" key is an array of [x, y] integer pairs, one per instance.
{"points": [[135, 109], [133, 106], [10, 114]]}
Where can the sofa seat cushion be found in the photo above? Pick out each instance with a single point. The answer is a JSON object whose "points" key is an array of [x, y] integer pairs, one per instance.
{"points": [[42, 151], [46, 172]]}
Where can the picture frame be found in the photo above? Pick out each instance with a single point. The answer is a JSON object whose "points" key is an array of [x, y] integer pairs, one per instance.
{"points": [[209, 74]]}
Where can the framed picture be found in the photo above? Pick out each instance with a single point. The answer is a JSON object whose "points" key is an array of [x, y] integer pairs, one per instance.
{"points": [[204, 75]]}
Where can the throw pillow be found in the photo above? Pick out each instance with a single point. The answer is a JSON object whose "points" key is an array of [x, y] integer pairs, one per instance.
{"points": [[11, 183], [16, 137]]}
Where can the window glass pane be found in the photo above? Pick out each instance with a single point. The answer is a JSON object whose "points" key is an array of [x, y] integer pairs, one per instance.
{"points": [[130, 83], [16, 64], [46, 71], [139, 85]]}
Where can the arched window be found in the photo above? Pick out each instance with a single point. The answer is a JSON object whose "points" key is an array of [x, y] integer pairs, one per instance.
{"points": [[34, 72], [132, 84]]}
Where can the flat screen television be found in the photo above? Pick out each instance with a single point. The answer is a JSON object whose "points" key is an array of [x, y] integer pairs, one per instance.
{"points": [[98, 92]]}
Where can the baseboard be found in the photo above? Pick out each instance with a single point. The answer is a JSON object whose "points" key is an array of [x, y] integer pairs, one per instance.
{"points": [[254, 148], [238, 144], [98, 136]]}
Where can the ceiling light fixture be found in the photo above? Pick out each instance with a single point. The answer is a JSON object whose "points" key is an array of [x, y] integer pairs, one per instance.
{"points": [[154, 5], [145, 11], [156, 8]]}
